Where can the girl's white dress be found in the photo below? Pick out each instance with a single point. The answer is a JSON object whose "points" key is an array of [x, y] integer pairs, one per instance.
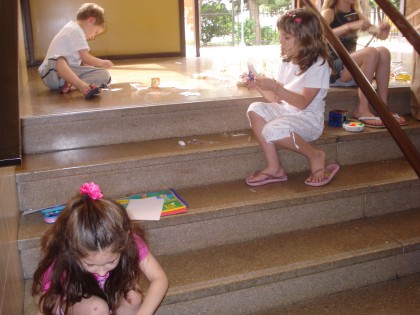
{"points": [[284, 119]]}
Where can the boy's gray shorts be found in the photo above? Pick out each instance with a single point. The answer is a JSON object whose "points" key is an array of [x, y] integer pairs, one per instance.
{"points": [[88, 74]]}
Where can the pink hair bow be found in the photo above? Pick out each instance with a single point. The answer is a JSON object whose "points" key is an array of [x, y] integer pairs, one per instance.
{"points": [[92, 190]]}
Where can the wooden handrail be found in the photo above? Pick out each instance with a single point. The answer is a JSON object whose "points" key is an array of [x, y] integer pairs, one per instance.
{"points": [[401, 23], [402, 140]]}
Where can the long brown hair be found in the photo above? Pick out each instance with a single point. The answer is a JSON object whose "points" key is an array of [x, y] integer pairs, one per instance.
{"points": [[86, 226], [306, 26]]}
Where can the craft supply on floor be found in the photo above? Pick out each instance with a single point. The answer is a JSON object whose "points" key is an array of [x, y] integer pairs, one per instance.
{"points": [[337, 117], [353, 126]]}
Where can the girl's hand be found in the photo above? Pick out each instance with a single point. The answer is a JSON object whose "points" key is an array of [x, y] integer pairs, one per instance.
{"points": [[250, 81], [265, 83], [384, 29], [362, 25]]}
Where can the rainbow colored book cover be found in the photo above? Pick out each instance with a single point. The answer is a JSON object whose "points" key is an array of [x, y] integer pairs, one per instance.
{"points": [[173, 203]]}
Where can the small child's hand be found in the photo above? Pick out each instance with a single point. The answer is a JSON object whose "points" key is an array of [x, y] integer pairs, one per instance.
{"points": [[250, 81], [107, 63], [264, 83]]}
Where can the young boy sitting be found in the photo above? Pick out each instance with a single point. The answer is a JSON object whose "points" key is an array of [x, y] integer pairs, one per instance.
{"points": [[68, 65]]}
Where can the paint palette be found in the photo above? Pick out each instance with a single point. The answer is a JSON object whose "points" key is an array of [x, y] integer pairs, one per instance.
{"points": [[353, 126]]}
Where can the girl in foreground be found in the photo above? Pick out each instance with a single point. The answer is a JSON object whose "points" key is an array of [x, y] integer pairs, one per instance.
{"points": [[294, 113], [92, 261]]}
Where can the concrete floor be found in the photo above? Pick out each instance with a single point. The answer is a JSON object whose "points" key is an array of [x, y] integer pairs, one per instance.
{"points": [[214, 75]]}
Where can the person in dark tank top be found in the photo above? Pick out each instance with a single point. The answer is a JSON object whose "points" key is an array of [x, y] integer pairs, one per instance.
{"points": [[346, 20]]}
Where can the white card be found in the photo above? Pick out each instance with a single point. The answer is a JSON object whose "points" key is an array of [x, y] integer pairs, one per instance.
{"points": [[145, 209]]}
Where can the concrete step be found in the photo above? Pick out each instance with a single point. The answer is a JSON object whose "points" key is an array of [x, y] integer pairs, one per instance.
{"points": [[238, 249], [284, 268], [232, 212], [399, 296], [49, 178], [156, 119]]}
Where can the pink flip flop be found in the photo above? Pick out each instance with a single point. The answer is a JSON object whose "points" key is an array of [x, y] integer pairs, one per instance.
{"points": [[269, 179], [330, 171]]}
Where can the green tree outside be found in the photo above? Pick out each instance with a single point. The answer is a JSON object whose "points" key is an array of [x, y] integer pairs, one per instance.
{"points": [[216, 20]]}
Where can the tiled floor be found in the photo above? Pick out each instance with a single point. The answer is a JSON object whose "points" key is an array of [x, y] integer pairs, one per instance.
{"points": [[182, 80]]}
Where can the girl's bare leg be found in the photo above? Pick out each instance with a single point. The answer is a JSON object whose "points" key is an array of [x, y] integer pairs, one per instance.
{"points": [[274, 166], [382, 76], [131, 305], [91, 306], [315, 157], [375, 64], [367, 59], [382, 73]]}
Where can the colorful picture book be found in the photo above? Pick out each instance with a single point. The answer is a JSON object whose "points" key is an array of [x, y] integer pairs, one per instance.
{"points": [[173, 203]]}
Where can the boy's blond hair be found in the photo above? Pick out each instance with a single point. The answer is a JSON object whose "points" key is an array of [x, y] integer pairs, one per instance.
{"points": [[88, 10]]}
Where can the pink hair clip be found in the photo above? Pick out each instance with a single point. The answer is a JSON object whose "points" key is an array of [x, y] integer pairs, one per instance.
{"points": [[91, 190], [293, 16]]}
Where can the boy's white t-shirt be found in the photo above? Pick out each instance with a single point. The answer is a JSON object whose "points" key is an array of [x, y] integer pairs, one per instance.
{"points": [[67, 43], [317, 76]]}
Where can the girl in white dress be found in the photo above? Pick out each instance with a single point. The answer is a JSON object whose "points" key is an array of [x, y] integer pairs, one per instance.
{"points": [[294, 113]]}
